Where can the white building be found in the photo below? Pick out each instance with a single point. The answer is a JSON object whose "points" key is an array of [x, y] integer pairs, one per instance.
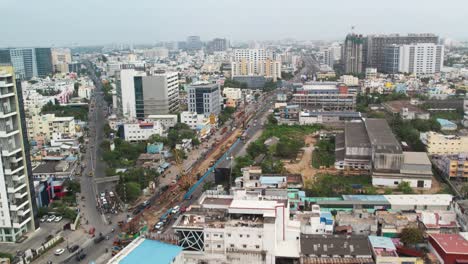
{"points": [[141, 131], [421, 58], [238, 229], [193, 120], [349, 80], [85, 91], [127, 87], [16, 204], [232, 93], [204, 98], [166, 121], [46, 125]]}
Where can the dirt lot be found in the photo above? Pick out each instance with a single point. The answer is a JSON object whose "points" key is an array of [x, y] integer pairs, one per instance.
{"points": [[304, 166]]}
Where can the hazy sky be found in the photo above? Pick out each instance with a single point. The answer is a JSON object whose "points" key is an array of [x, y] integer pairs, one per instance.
{"points": [[83, 22]]}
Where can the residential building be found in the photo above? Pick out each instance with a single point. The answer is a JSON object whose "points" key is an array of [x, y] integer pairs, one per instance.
{"points": [[371, 73], [232, 93], [141, 131], [315, 222], [375, 45], [256, 62], [325, 96], [44, 126], [385, 251], [218, 44], [353, 54], [148, 93], [18, 206], [449, 248], [444, 144], [61, 57], [167, 121], [349, 80], [238, 229], [452, 166], [438, 222], [193, 43], [421, 58], [204, 98], [461, 209]]}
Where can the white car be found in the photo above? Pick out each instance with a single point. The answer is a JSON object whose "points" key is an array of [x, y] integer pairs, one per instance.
{"points": [[59, 251], [176, 209], [51, 218], [58, 219], [158, 225]]}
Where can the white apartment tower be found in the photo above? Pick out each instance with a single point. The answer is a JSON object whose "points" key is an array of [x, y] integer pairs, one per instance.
{"points": [[421, 58], [16, 206], [256, 62]]}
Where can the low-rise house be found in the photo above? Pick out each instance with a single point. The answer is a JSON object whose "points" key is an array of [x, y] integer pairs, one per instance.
{"points": [[446, 125], [438, 222], [452, 166], [392, 223], [461, 209], [449, 248], [360, 222], [384, 251], [315, 221], [406, 109]]}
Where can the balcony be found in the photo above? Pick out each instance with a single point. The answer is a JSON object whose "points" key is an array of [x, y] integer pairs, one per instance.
{"points": [[16, 187], [21, 221], [17, 158], [10, 150], [18, 178], [20, 195], [13, 169], [17, 204], [6, 84]]}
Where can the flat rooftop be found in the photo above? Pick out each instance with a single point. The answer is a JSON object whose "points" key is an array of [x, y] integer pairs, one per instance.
{"points": [[335, 245], [419, 158], [420, 199], [146, 251], [217, 201]]}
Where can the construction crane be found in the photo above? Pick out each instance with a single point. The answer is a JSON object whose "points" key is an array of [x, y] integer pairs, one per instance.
{"points": [[186, 180]]}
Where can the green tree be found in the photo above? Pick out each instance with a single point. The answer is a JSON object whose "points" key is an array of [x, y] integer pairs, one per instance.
{"points": [[464, 190], [405, 187], [272, 120], [411, 236], [256, 148], [128, 191]]}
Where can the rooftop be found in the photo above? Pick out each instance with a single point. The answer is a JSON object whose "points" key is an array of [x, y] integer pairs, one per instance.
{"points": [[451, 243], [356, 135], [144, 251], [381, 136], [420, 199], [334, 245], [419, 158]]}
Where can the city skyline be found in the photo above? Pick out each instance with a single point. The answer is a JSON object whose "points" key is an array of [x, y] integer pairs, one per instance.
{"points": [[53, 23]]}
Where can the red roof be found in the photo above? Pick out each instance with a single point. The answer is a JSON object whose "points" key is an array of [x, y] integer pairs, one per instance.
{"points": [[451, 243]]}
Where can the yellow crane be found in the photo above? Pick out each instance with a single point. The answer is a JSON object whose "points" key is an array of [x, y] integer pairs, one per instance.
{"points": [[186, 180]]}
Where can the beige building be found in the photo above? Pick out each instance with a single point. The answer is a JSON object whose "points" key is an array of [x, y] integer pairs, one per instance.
{"points": [[444, 144], [61, 57], [255, 62], [44, 126]]}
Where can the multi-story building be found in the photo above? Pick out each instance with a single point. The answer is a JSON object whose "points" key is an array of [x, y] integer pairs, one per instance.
{"points": [[452, 166], [255, 62], [17, 206], [166, 121], [44, 126], [204, 98], [349, 80], [353, 54], [218, 44], [444, 144], [193, 120], [232, 93], [391, 59], [148, 93], [421, 58], [28, 62], [61, 57], [326, 96], [193, 43], [238, 229], [375, 45], [141, 131]]}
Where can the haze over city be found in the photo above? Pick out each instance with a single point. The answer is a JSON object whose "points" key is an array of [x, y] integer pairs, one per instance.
{"points": [[89, 22]]}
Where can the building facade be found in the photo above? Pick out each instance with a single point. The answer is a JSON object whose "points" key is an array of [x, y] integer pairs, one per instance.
{"points": [[353, 54], [44, 126], [325, 96], [141, 131], [18, 207], [452, 166], [255, 62], [421, 58], [444, 144], [204, 99]]}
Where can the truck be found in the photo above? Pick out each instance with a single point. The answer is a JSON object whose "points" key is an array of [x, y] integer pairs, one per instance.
{"points": [[244, 135]]}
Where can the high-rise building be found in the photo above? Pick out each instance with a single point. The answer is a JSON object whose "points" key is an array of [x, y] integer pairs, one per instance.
{"points": [[148, 93], [421, 58], [193, 43], [255, 62], [391, 59], [61, 56], [28, 62], [353, 54], [17, 203], [204, 98], [375, 45], [218, 44]]}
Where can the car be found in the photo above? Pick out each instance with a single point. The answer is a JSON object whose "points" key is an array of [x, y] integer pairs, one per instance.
{"points": [[183, 209], [73, 248], [58, 219], [51, 218], [98, 239], [80, 256], [44, 218], [176, 209], [146, 203], [159, 225], [59, 251]]}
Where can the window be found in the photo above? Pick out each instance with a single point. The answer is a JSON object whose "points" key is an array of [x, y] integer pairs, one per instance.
{"points": [[229, 235], [259, 236], [257, 246], [240, 235], [232, 245], [248, 235], [244, 246], [218, 246], [207, 245]]}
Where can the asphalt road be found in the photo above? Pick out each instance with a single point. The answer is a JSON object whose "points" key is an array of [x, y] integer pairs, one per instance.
{"points": [[311, 67]]}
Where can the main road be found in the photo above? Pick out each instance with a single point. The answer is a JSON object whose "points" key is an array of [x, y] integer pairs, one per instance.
{"points": [[310, 69]]}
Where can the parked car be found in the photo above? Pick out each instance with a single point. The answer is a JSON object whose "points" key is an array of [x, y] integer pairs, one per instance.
{"points": [[159, 225], [176, 209], [51, 218], [58, 219], [98, 239], [59, 251], [73, 248], [80, 257], [44, 218]]}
